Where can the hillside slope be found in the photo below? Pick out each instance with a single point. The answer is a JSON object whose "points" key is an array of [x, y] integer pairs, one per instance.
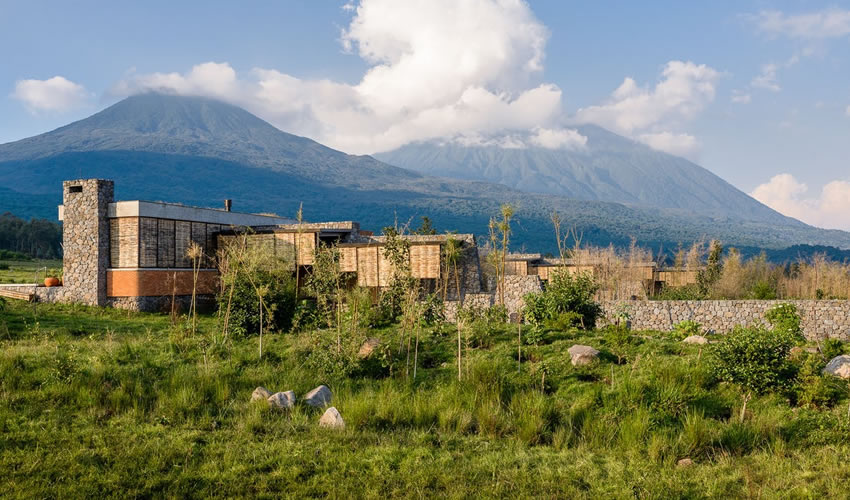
{"points": [[609, 168], [199, 151]]}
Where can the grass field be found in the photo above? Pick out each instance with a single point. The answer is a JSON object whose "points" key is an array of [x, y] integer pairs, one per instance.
{"points": [[105, 403], [33, 271]]}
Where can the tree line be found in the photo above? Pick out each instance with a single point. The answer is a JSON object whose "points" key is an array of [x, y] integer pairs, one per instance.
{"points": [[37, 238]]}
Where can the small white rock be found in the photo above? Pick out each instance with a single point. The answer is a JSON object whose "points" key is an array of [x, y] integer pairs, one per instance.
{"points": [[695, 339], [320, 396], [260, 394], [332, 419], [368, 347], [282, 400]]}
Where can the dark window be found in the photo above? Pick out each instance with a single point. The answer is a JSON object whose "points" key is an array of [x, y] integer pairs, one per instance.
{"points": [[75, 189]]}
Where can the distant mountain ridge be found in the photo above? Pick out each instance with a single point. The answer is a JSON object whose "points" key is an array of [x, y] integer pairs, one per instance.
{"points": [[610, 168], [200, 151]]}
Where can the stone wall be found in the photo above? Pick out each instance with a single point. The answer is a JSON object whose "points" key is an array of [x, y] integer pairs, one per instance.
{"points": [[161, 304], [85, 240], [820, 318], [515, 289]]}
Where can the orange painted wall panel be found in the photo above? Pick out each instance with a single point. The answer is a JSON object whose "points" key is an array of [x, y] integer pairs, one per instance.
{"points": [[153, 283]]}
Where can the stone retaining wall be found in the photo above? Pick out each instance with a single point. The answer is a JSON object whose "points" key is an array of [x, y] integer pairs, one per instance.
{"points": [[820, 318]]}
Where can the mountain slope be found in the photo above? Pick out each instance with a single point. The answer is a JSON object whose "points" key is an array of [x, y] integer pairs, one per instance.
{"points": [[610, 168], [199, 151]]}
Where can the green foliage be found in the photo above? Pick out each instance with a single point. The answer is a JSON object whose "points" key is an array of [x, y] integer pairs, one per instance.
{"points": [[564, 321], [814, 389], [707, 277], [618, 338], [254, 280], [325, 283], [785, 320], [763, 290], [426, 227], [573, 292], [831, 348], [686, 328], [754, 358], [88, 381], [2, 304], [22, 239]]}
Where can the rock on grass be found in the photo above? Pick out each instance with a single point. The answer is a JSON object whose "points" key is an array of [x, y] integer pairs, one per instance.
{"points": [[260, 394], [839, 366], [332, 419], [318, 397], [282, 400], [582, 355]]}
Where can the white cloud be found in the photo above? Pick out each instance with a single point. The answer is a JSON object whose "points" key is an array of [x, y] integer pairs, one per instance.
{"points": [[829, 23], [439, 69], [677, 144], [767, 78], [54, 94], [651, 114], [788, 196], [559, 139], [739, 97]]}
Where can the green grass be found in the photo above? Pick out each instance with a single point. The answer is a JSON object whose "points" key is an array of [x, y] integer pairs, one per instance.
{"points": [[31, 271], [105, 403]]}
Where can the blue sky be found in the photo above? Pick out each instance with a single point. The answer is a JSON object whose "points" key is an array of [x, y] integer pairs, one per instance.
{"points": [[757, 92]]}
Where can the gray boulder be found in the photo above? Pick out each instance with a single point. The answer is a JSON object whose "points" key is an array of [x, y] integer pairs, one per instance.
{"points": [[839, 366], [695, 339], [582, 355], [320, 396], [282, 400], [260, 394], [332, 419], [368, 347]]}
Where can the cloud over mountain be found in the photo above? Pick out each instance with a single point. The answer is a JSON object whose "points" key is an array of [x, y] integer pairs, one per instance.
{"points": [[652, 115], [438, 69]]}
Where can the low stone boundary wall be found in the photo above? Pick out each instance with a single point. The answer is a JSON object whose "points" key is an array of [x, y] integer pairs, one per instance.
{"points": [[820, 318]]}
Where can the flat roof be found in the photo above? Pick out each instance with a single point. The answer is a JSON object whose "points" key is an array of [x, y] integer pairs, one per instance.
{"points": [[175, 211]]}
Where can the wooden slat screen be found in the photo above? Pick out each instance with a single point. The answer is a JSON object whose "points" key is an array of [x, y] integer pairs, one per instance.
{"points": [[425, 261], [165, 252], [148, 242], [182, 238], [367, 266]]}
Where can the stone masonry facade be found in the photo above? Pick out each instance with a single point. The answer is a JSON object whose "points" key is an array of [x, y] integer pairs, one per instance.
{"points": [[85, 237], [820, 318]]}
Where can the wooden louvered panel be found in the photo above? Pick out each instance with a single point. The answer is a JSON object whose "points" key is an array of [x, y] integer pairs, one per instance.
{"points": [[425, 261], [385, 268], [348, 259], [124, 242], [182, 238], [367, 266], [148, 242], [306, 247], [165, 251]]}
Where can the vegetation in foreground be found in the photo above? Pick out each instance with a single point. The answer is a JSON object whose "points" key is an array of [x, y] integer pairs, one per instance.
{"points": [[99, 402]]}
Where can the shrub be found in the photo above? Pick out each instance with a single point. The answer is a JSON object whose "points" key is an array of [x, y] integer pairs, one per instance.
{"points": [[686, 292], [566, 293], [832, 348], [4, 267], [755, 359], [813, 389], [686, 329], [251, 275], [785, 320], [2, 304]]}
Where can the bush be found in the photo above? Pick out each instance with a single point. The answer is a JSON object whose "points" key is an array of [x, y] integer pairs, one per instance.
{"points": [[813, 388], [250, 275], [832, 348], [754, 358], [566, 293], [785, 320], [686, 292], [686, 329]]}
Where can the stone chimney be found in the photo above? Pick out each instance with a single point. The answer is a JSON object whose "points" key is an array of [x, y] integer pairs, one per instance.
{"points": [[85, 239]]}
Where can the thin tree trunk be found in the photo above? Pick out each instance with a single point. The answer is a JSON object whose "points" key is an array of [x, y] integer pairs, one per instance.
{"points": [[519, 346], [416, 351], [744, 407], [261, 328]]}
